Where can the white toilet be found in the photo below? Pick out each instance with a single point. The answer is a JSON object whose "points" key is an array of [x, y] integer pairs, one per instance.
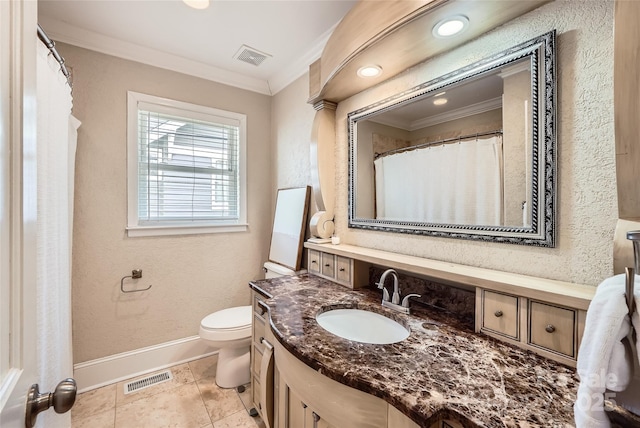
{"points": [[230, 330]]}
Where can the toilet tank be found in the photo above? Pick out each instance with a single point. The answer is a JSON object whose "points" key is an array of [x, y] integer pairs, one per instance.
{"points": [[274, 270]]}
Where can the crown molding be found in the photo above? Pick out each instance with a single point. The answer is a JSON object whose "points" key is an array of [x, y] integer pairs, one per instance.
{"points": [[459, 113], [284, 78], [65, 33], [466, 111]]}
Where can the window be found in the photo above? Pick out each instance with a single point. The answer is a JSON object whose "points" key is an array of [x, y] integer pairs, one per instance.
{"points": [[186, 168]]}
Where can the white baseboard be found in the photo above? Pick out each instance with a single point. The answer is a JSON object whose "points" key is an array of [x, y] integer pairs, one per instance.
{"points": [[114, 368]]}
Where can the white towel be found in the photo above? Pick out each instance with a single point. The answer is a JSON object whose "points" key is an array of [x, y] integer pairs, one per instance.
{"points": [[603, 363]]}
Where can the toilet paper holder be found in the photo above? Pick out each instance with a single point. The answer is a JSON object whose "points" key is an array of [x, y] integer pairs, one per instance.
{"points": [[135, 274]]}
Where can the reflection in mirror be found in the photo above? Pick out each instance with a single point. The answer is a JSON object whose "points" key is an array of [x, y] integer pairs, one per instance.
{"points": [[468, 155]]}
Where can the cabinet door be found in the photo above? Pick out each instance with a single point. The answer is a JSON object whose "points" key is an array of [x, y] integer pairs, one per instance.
{"points": [[314, 420], [295, 410]]}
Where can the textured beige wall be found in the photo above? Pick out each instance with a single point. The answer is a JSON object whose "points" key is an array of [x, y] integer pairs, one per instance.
{"points": [[291, 124], [192, 276], [586, 170]]}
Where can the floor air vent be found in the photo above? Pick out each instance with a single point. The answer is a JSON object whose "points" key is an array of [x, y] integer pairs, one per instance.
{"points": [[148, 381]]}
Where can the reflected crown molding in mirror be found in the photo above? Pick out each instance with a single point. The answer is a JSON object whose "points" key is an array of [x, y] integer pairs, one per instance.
{"points": [[481, 166]]}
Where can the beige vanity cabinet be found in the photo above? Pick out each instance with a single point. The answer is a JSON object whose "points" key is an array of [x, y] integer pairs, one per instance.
{"points": [[552, 330], [308, 399]]}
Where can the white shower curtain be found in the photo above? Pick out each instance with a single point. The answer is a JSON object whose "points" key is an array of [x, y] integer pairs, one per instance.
{"points": [[57, 136], [456, 183]]}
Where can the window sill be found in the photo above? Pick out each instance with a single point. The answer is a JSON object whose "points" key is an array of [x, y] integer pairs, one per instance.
{"points": [[137, 231]]}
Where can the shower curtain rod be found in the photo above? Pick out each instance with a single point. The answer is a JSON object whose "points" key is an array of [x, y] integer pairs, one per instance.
{"points": [[52, 48], [435, 143]]}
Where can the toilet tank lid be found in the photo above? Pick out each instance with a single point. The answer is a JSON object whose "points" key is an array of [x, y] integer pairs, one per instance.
{"points": [[279, 269], [230, 318]]}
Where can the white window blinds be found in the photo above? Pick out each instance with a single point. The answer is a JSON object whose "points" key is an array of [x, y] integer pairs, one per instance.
{"points": [[188, 166]]}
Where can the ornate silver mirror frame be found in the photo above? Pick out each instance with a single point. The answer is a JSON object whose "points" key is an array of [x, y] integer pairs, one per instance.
{"points": [[539, 230]]}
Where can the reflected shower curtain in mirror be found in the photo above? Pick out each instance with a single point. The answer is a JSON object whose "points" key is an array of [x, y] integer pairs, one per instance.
{"points": [[459, 183]]}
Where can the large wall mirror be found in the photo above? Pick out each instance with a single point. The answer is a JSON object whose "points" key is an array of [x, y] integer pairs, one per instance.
{"points": [[467, 155]]}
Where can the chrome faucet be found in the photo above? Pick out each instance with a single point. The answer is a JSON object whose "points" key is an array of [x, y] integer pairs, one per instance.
{"points": [[394, 302], [383, 278]]}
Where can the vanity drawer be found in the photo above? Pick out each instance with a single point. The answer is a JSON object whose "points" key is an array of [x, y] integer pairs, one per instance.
{"points": [[314, 261], [257, 308], [553, 328], [343, 269], [500, 313], [328, 265]]}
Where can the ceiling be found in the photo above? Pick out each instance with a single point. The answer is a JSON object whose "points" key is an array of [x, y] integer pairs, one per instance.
{"points": [[169, 34]]}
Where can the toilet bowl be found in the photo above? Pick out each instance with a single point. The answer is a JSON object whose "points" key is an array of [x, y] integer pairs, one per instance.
{"points": [[230, 331]]}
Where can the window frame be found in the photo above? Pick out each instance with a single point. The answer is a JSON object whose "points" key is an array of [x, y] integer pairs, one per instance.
{"points": [[196, 112]]}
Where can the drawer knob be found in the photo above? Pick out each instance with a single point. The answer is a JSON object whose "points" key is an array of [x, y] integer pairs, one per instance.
{"points": [[327, 265], [498, 313], [549, 328], [313, 262], [341, 269]]}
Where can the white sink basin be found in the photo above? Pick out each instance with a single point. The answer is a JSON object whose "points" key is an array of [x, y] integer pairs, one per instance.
{"points": [[362, 326]]}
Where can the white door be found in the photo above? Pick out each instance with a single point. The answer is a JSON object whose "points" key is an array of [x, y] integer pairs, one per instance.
{"points": [[24, 359], [18, 210]]}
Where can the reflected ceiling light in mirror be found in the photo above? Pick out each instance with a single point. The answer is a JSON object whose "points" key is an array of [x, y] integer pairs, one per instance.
{"points": [[439, 101], [197, 4], [369, 71], [450, 26]]}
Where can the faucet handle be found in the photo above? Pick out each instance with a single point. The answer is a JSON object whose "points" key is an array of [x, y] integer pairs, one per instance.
{"points": [[385, 295], [405, 301]]}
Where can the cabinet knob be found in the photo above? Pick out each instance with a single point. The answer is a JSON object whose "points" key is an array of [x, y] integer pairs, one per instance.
{"points": [[313, 262], [341, 269], [327, 264], [498, 313], [549, 328]]}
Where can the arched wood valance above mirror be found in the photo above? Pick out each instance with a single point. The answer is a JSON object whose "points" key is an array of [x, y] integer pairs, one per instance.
{"points": [[396, 35]]}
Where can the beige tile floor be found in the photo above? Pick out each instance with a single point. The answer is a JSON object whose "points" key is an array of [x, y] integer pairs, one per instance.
{"points": [[190, 400]]}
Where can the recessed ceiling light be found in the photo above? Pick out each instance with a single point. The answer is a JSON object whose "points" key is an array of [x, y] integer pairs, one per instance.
{"points": [[369, 71], [197, 4], [450, 26], [439, 101]]}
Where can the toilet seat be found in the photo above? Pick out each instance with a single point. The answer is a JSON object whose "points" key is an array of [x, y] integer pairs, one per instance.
{"points": [[227, 324]]}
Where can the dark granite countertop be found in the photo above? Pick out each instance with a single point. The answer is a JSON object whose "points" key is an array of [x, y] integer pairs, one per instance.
{"points": [[443, 370]]}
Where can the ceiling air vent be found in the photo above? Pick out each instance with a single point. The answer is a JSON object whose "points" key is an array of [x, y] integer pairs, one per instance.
{"points": [[250, 55]]}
